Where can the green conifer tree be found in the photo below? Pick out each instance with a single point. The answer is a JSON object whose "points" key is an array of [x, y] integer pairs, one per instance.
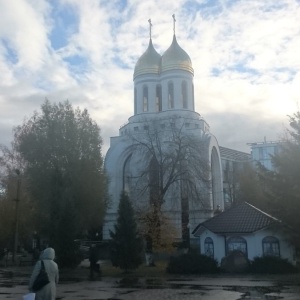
{"points": [[283, 184], [126, 244]]}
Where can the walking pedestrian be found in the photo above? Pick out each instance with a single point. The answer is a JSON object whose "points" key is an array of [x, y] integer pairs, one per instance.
{"points": [[94, 257], [48, 292]]}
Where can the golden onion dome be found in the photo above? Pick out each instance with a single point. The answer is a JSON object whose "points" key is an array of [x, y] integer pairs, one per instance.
{"points": [[148, 63], [176, 58]]}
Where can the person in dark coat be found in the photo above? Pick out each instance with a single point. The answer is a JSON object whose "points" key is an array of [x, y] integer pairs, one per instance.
{"points": [[94, 257]]}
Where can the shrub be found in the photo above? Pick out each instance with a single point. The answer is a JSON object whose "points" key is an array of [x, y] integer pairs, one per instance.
{"points": [[272, 264], [235, 262], [70, 256], [192, 264]]}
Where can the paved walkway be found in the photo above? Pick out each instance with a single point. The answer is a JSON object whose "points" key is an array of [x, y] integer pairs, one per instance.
{"points": [[13, 285]]}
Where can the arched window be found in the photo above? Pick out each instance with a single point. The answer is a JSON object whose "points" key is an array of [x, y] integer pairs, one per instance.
{"points": [[145, 98], [127, 175], [193, 97], [209, 247], [158, 98], [135, 102], [184, 94], [216, 178], [270, 246], [237, 243], [171, 95]]}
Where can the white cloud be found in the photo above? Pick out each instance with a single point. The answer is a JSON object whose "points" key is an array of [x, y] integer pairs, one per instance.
{"points": [[244, 53], [24, 26]]}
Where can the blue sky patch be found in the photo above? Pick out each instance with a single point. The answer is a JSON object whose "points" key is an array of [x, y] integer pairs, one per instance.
{"points": [[121, 4], [206, 8], [75, 60], [291, 73], [216, 72], [11, 54], [118, 61], [65, 24], [78, 66], [241, 68], [276, 6]]}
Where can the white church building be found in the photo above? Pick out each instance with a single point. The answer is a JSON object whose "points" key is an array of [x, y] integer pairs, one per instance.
{"points": [[164, 108]]}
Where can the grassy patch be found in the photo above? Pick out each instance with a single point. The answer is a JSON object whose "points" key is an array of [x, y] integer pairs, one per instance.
{"points": [[142, 271]]}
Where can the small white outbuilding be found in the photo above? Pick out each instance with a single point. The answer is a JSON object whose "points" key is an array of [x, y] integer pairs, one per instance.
{"points": [[247, 229]]}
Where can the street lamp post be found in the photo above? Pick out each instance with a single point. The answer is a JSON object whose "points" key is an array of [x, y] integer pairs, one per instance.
{"points": [[17, 216]]}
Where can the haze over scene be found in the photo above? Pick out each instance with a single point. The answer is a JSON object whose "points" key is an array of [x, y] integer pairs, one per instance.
{"points": [[245, 56]]}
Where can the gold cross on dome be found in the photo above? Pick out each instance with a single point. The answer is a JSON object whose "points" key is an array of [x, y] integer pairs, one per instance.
{"points": [[150, 25], [174, 20]]}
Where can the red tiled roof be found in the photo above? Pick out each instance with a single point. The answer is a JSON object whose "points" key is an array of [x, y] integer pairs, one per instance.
{"points": [[243, 218]]}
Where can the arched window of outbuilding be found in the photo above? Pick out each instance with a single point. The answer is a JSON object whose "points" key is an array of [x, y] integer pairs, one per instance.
{"points": [[209, 247], [145, 98], [237, 243], [184, 94], [171, 95], [271, 246], [158, 98]]}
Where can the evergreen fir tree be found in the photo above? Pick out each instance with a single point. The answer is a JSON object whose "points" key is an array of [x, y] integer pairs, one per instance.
{"points": [[126, 244], [282, 185]]}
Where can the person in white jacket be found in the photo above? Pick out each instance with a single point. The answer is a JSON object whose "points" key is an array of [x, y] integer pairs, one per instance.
{"points": [[48, 292]]}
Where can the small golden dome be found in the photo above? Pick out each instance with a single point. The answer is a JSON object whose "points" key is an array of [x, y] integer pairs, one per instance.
{"points": [[176, 58], [148, 63]]}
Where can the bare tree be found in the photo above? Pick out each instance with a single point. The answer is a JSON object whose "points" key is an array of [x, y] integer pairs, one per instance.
{"points": [[232, 173], [172, 169]]}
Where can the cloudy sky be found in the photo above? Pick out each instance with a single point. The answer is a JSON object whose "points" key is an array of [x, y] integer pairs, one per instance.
{"points": [[245, 54]]}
